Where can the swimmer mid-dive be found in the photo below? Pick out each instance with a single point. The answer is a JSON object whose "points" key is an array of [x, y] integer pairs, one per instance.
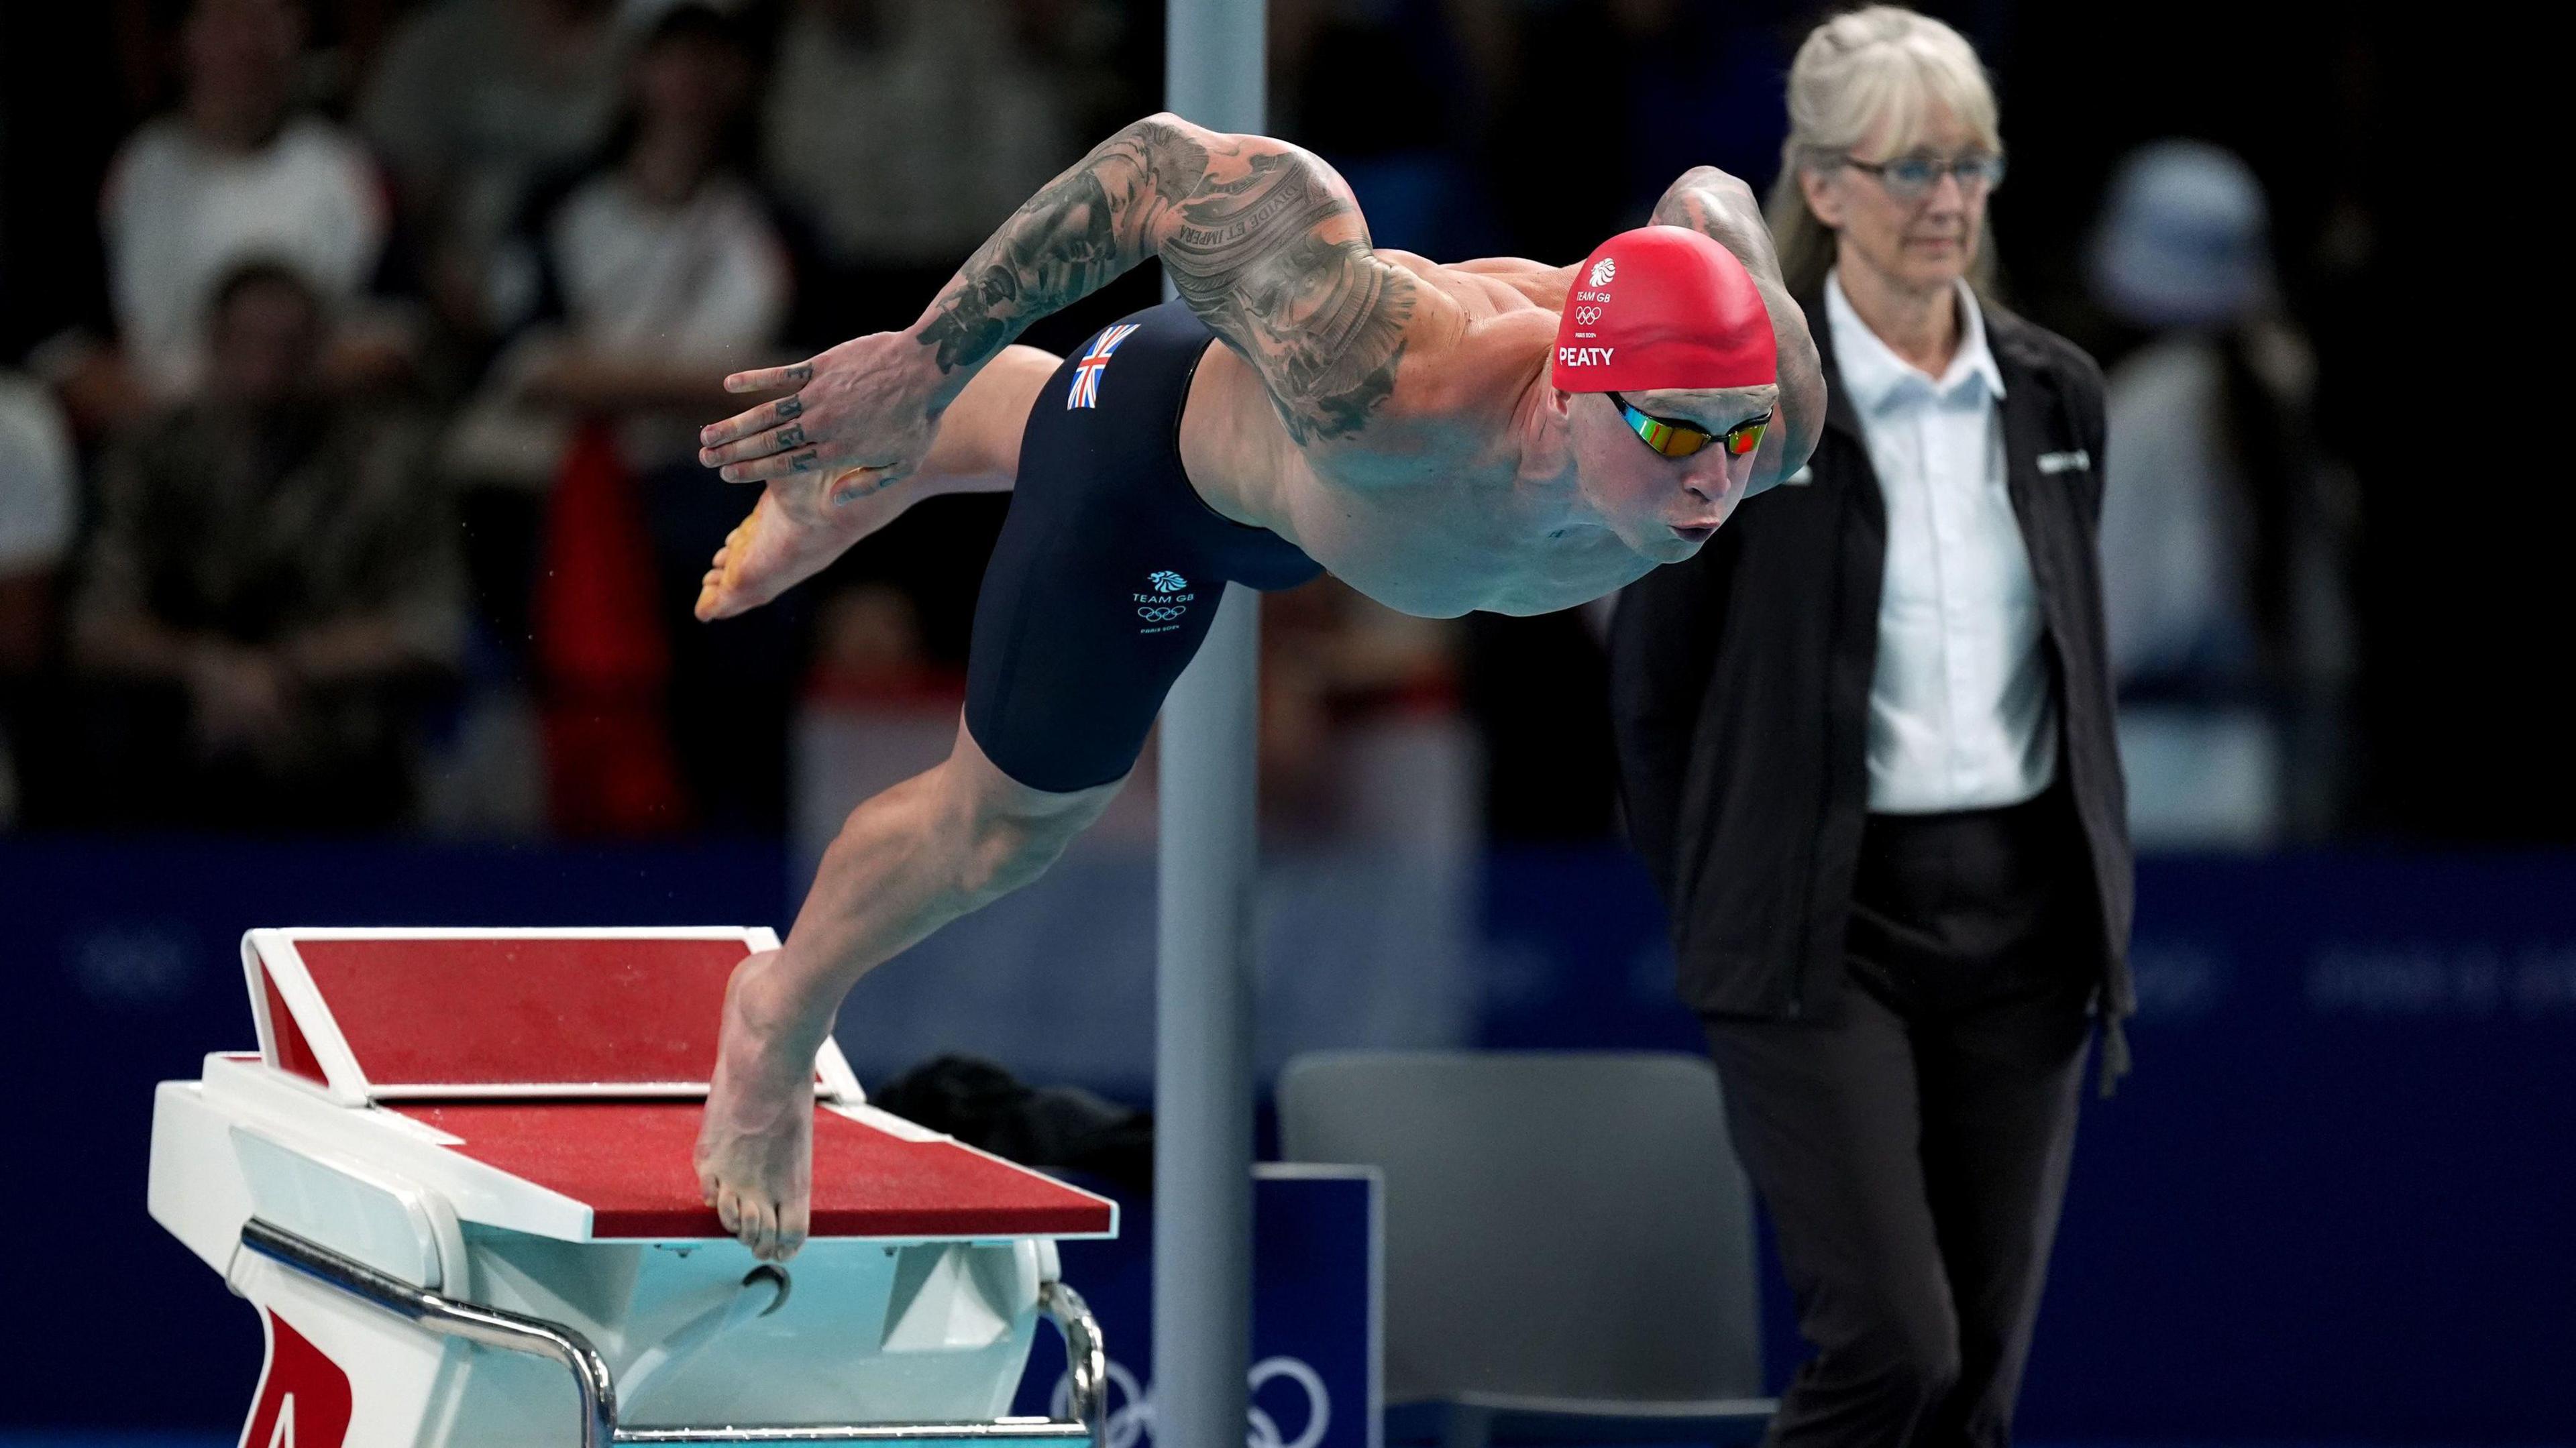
{"points": [[1494, 434]]}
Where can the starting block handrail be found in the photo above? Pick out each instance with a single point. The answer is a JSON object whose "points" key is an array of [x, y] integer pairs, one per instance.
{"points": [[1085, 1358]]}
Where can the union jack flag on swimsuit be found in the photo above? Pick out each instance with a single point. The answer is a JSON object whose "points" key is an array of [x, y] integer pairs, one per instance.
{"points": [[1086, 373]]}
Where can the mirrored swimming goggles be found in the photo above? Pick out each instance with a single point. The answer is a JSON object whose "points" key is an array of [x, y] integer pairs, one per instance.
{"points": [[1676, 439]]}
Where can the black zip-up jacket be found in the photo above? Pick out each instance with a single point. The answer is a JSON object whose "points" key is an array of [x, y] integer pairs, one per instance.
{"points": [[1740, 689]]}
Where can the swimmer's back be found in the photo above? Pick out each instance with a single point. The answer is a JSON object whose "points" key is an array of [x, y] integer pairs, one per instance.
{"points": [[1475, 339], [1420, 508]]}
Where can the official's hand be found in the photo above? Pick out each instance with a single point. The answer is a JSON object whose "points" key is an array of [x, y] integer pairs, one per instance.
{"points": [[862, 415]]}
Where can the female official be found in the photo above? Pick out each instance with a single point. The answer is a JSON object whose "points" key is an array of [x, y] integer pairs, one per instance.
{"points": [[1866, 749]]}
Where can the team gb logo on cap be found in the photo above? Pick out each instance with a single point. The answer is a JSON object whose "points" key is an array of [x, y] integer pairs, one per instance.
{"points": [[1602, 271]]}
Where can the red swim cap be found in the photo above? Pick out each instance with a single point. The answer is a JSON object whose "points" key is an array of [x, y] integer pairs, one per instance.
{"points": [[1662, 306]]}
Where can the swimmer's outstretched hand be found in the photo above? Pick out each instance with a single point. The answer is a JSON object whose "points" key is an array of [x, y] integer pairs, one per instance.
{"points": [[833, 452], [862, 415]]}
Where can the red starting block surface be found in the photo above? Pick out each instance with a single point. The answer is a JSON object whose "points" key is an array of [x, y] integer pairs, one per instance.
{"points": [[565, 1072], [476, 1012], [382, 1015], [629, 1160]]}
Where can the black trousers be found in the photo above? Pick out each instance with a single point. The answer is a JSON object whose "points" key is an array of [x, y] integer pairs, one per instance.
{"points": [[1912, 1144]]}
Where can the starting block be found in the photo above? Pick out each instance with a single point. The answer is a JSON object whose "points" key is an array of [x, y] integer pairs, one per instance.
{"points": [[455, 1179]]}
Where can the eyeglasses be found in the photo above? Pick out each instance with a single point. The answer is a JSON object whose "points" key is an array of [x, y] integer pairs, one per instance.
{"points": [[1911, 178], [1674, 439]]}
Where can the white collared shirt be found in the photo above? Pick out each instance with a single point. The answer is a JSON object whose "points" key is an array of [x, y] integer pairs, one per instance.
{"points": [[1961, 715]]}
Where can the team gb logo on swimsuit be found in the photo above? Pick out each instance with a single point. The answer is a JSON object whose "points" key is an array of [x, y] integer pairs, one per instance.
{"points": [[1162, 608], [1602, 271]]}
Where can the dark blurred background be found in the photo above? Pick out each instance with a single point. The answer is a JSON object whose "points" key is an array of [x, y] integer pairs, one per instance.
{"points": [[530, 234], [350, 356]]}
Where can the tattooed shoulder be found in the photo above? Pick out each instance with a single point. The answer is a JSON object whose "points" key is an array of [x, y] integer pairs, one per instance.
{"points": [[1277, 258], [1261, 239]]}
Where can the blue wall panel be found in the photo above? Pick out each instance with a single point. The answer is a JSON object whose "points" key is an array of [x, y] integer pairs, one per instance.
{"points": [[2334, 1202]]}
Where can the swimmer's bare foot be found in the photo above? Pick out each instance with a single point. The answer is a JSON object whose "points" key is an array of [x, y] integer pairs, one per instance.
{"points": [[782, 544], [755, 1151]]}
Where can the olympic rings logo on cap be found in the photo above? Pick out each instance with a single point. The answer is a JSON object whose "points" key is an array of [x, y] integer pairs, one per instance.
{"points": [[1153, 613], [1587, 315]]}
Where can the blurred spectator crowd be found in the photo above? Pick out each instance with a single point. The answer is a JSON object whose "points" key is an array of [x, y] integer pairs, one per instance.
{"points": [[361, 492], [353, 488]]}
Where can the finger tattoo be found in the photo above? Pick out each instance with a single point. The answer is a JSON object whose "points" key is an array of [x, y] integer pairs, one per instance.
{"points": [[790, 407], [804, 462], [790, 436], [801, 373]]}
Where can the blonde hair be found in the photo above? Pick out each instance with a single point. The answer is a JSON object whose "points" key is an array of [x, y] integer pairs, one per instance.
{"points": [[1879, 66]]}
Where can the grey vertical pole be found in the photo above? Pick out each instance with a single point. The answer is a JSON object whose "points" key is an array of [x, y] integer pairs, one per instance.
{"points": [[1213, 75]]}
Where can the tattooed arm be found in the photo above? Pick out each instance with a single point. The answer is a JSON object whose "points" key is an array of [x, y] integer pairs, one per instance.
{"points": [[1719, 206], [1270, 250], [1261, 239]]}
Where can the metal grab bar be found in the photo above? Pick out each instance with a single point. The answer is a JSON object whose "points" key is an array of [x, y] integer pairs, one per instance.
{"points": [[516, 1332], [449, 1318], [1086, 1358]]}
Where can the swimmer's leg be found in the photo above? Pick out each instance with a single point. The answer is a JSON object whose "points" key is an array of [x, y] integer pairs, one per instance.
{"points": [[909, 860], [796, 529]]}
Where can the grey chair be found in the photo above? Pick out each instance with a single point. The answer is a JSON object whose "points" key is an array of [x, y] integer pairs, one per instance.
{"points": [[1569, 1241]]}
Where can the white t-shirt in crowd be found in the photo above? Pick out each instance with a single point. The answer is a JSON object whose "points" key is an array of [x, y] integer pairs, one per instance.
{"points": [[707, 278], [1961, 715], [38, 480], [178, 214]]}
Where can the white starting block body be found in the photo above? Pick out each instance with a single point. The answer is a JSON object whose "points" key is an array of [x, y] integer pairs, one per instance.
{"points": [[455, 1178]]}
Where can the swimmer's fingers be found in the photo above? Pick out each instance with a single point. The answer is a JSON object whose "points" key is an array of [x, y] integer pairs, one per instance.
{"points": [[770, 379], [856, 483], [848, 483], [751, 419], [797, 464], [788, 435]]}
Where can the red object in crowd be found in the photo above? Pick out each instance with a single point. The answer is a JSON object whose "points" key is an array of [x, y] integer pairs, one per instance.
{"points": [[603, 661]]}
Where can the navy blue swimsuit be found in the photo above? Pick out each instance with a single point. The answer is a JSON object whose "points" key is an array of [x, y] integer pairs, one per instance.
{"points": [[1109, 567]]}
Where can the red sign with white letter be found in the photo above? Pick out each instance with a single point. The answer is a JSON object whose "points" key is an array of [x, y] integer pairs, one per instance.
{"points": [[303, 1397]]}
